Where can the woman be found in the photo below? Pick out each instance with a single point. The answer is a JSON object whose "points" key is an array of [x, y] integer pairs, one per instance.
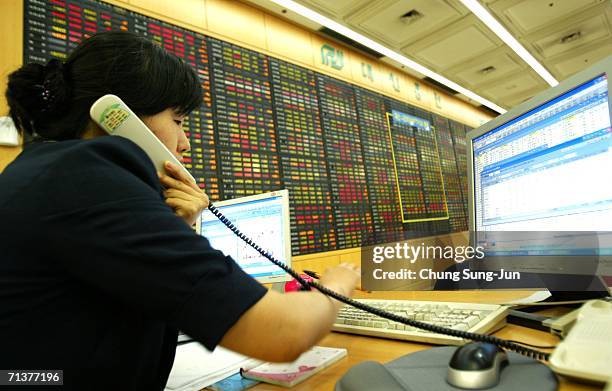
{"points": [[99, 265]]}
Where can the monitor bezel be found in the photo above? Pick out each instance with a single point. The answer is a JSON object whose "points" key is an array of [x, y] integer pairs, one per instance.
{"points": [[284, 194], [600, 68]]}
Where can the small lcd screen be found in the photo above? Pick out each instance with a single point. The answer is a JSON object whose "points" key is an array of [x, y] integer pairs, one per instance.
{"points": [[262, 222]]}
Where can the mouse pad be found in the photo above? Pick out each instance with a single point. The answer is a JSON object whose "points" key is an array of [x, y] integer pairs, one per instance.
{"points": [[426, 371]]}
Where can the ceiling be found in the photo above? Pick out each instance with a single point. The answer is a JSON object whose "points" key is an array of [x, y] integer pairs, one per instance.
{"points": [[565, 36]]}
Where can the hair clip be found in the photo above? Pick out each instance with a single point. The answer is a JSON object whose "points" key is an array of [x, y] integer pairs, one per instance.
{"points": [[53, 76]]}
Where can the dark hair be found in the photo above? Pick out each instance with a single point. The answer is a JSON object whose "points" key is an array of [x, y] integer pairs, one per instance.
{"points": [[52, 101]]}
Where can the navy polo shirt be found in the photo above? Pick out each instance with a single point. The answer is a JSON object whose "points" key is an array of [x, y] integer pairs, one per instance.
{"points": [[97, 273]]}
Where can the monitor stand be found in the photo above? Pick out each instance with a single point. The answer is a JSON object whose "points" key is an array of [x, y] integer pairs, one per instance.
{"points": [[593, 287]]}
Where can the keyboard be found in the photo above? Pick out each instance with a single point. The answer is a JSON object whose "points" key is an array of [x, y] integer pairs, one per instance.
{"points": [[472, 317]]}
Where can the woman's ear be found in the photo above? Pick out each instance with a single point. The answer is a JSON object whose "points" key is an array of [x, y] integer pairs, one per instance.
{"points": [[92, 130]]}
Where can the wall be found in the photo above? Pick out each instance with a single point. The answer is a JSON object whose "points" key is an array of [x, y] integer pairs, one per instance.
{"points": [[11, 47]]}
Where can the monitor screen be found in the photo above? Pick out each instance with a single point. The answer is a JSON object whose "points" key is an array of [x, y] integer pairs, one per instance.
{"points": [[549, 168], [263, 218]]}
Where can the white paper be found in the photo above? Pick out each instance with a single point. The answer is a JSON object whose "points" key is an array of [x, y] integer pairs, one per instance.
{"points": [[195, 367], [8, 132], [535, 297]]}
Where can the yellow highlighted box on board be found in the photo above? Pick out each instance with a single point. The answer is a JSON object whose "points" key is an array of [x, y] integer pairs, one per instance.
{"points": [[407, 219]]}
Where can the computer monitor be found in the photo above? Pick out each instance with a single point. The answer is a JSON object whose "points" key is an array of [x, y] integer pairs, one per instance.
{"points": [[543, 167], [264, 218]]}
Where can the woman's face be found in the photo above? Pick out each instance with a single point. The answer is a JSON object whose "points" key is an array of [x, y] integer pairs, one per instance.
{"points": [[168, 127]]}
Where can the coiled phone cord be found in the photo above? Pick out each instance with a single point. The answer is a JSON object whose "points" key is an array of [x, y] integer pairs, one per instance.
{"points": [[515, 347]]}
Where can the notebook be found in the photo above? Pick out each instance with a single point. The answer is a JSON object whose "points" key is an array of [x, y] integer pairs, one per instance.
{"points": [[290, 374]]}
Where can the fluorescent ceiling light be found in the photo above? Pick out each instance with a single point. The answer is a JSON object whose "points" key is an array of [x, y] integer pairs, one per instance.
{"points": [[503, 34], [341, 29]]}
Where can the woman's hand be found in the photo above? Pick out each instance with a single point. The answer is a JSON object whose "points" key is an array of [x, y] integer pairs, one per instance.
{"points": [[342, 278], [182, 194]]}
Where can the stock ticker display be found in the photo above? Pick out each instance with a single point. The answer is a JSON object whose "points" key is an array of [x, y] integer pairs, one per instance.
{"points": [[458, 132], [302, 152], [377, 155], [245, 127], [350, 197], [431, 171], [360, 168], [452, 183]]}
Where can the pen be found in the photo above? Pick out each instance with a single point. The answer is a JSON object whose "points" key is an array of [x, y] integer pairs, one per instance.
{"points": [[311, 274]]}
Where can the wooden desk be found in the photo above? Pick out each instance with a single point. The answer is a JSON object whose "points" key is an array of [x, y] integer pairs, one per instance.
{"points": [[382, 350]]}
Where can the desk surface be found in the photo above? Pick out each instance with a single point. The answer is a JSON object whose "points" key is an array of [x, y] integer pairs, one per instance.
{"points": [[366, 348]]}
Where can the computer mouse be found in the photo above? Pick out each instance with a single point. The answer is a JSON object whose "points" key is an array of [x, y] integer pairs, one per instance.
{"points": [[476, 365]]}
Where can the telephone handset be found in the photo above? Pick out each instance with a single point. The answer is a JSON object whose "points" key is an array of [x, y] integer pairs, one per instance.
{"points": [[586, 350], [116, 118]]}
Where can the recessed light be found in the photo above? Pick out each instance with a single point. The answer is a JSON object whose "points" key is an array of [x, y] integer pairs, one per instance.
{"points": [[503, 34], [571, 37], [411, 16], [487, 70]]}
